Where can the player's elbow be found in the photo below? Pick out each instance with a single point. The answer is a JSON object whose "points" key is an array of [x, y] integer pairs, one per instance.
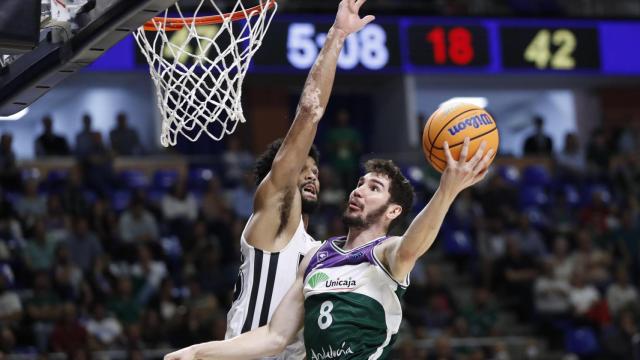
{"points": [[278, 343]]}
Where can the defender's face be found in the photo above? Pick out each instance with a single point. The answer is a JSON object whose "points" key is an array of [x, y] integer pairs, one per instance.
{"points": [[308, 182], [368, 201]]}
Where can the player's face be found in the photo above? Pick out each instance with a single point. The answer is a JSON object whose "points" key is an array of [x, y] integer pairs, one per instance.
{"points": [[309, 186], [368, 202]]}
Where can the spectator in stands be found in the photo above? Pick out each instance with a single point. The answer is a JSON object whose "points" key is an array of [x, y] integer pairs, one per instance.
{"points": [[562, 261], [583, 297], [10, 304], [333, 195], [43, 309], [216, 211], [237, 161], [10, 178], [7, 340], [83, 244], [73, 193], [11, 239], [123, 304], [626, 237], [124, 139], [31, 205], [539, 143], [154, 333], [148, 272], [530, 239], [441, 306], [69, 334], [500, 200], [344, 145], [593, 261], [622, 295], [97, 166], [619, 340], [104, 222], [442, 350], [50, 144], [137, 224], [101, 279], [84, 138], [179, 209], [492, 246], [166, 303], [551, 303], [241, 198], [213, 276], [56, 221], [40, 250], [105, 330], [571, 160], [515, 275], [67, 275], [481, 314], [599, 151]]}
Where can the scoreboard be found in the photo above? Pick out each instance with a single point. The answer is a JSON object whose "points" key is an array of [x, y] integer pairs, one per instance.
{"points": [[428, 44], [411, 44]]}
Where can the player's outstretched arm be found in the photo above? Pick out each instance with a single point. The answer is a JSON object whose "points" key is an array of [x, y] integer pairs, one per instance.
{"points": [[401, 255], [313, 101], [264, 341]]}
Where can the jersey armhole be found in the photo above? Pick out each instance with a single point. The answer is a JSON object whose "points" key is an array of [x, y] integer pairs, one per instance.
{"points": [[404, 284]]}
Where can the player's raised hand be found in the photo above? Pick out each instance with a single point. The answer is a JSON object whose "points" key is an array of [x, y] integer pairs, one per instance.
{"points": [[187, 353], [460, 174], [348, 19]]}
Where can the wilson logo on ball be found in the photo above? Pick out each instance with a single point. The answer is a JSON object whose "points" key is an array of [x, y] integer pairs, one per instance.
{"points": [[475, 122]]}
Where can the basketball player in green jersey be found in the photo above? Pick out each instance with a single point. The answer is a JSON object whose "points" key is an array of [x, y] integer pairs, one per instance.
{"points": [[347, 291]]}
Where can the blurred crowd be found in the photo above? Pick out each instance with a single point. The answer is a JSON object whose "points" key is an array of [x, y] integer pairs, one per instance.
{"points": [[94, 260]]}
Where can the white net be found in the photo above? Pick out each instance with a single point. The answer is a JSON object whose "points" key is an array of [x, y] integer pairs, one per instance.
{"points": [[198, 67]]}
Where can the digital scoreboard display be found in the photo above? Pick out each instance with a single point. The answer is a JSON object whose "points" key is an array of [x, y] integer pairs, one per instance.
{"points": [[296, 45], [417, 45]]}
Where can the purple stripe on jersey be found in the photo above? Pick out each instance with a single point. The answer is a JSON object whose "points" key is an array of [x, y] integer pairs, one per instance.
{"points": [[327, 256]]}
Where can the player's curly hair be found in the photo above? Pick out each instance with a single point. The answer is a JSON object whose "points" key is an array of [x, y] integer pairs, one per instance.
{"points": [[400, 188], [265, 160]]}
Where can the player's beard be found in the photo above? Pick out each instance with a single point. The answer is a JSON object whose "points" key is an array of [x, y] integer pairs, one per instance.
{"points": [[309, 206], [368, 220]]}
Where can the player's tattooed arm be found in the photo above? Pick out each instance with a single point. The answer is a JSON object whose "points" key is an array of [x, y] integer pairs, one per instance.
{"points": [[315, 95], [401, 254]]}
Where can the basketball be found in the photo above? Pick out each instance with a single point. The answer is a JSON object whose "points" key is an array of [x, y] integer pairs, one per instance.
{"points": [[452, 123]]}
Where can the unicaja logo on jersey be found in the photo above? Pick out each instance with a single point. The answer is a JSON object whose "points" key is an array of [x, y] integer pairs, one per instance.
{"points": [[317, 278], [474, 121], [348, 283], [331, 353]]}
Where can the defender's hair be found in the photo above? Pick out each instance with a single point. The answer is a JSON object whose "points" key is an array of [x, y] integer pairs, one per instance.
{"points": [[265, 160]]}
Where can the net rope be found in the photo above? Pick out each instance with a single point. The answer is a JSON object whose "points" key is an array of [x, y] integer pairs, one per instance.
{"points": [[198, 70]]}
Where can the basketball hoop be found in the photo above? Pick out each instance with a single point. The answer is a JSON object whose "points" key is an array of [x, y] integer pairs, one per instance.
{"points": [[198, 64]]}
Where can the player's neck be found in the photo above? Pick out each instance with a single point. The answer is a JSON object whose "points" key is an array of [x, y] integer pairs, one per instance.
{"points": [[360, 236], [305, 221]]}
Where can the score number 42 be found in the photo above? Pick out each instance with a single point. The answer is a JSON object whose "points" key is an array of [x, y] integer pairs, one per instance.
{"points": [[541, 54], [367, 47]]}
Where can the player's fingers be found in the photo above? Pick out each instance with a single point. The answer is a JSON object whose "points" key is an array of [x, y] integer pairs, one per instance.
{"points": [[352, 6], [465, 151], [358, 3], [367, 19], [478, 155], [484, 164], [481, 176], [447, 154]]}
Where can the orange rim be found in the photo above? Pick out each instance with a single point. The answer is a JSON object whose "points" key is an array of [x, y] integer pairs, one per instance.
{"points": [[174, 24]]}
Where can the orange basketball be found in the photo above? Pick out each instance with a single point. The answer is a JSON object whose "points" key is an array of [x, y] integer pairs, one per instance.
{"points": [[452, 123]]}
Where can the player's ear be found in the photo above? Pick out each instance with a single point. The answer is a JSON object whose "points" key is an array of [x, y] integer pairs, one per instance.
{"points": [[394, 211]]}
